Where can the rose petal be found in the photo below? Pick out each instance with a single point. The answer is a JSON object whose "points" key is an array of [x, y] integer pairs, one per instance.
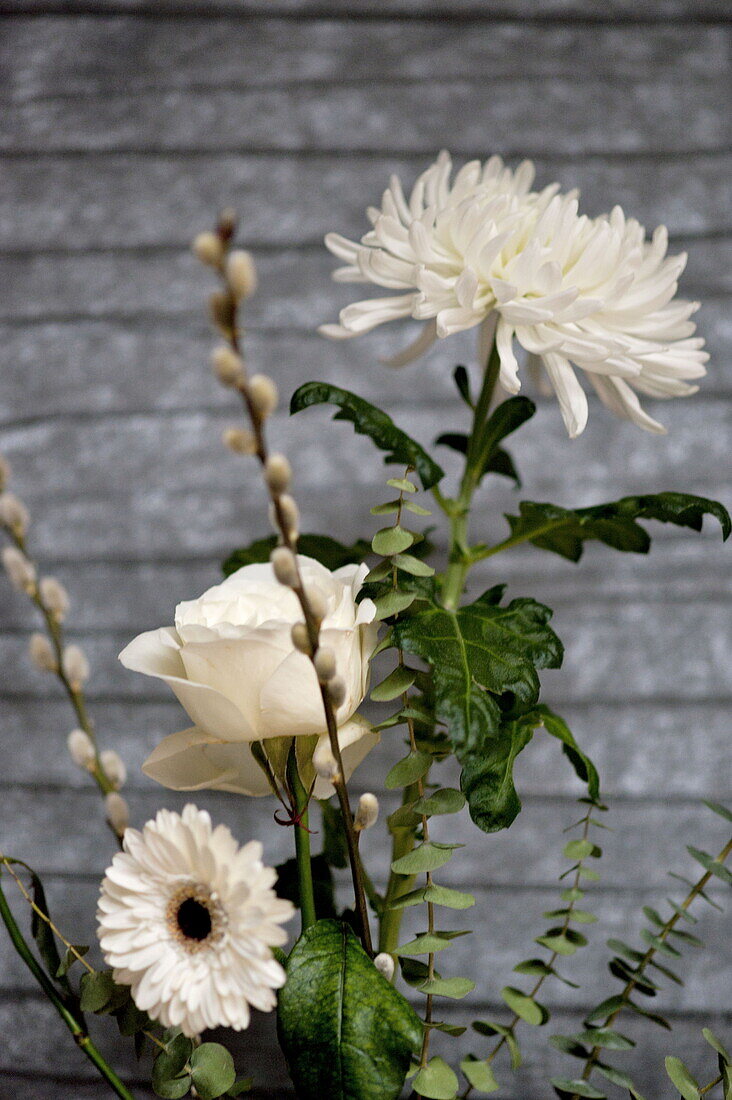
{"points": [[193, 760]]}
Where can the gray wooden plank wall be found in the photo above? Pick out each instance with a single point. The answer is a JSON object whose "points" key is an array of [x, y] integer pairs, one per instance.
{"points": [[124, 126]]}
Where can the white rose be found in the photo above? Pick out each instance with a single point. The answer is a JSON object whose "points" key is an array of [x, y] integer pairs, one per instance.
{"points": [[230, 661]]}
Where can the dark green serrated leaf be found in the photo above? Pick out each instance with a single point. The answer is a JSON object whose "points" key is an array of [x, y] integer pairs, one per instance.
{"points": [[368, 420], [328, 551], [481, 654], [212, 1070], [346, 1032], [681, 1078], [565, 531]]}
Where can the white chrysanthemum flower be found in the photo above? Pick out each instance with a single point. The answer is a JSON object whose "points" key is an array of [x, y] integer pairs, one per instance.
{"points": [[187, 919], [574, 291]]}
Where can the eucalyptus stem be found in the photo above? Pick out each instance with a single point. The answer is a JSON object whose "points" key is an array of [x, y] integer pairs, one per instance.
{"points": [[478, 450], [696, 889], [73, 1023], [302, 843], [708, 1088]]}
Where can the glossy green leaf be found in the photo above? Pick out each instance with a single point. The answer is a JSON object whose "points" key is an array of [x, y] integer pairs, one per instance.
{"points": [[444, 801], [368, 420], [583, 766], [328, 551], [564, 531], [395, 684], [479, 1074], [682, 1079], [345, 1031], [212, 1070], [425, 857], [436, 1081], [525, 1006], [481, 654]]}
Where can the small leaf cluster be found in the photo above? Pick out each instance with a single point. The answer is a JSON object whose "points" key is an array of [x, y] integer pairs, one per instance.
{"points": [[630, 965], [683, 1080], [208, 1067], [402, 576], [561, 939]]}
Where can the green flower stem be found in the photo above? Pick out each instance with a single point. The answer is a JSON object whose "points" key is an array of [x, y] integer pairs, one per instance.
{"points": [[403, 840], [710, 1086], [73, 1023], [302, 843], [460, 558], [696, 889]]}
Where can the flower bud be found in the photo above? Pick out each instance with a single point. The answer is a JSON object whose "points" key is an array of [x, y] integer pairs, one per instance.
{"points": [[22, 573], [367, 812], [118, 812], [317, 603], [208, 248], [13, 514], [325, 764], [263, 394], [385, 965], [227, 223], [325, 664], [55, 597], [278, 474], [301, 638], [114, 767], [240, 440], [5, 472], [287, 514], [227, 365], [337, 691], [284, 566], [81, 749], [42, 654], [76, 666], [241, 274]]}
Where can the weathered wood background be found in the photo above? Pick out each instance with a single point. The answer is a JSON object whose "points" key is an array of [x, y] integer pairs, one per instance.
{"points": [[124, 127]]}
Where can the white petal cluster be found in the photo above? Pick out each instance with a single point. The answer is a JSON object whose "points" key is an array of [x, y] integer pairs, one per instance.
{"points": [[575, 291], [188, 919]]}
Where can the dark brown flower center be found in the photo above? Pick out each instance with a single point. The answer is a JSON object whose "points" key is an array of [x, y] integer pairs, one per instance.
{"points": [[194, 919]]}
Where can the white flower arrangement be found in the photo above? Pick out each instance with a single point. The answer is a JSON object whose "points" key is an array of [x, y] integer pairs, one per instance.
{"points": [[273, 664]]}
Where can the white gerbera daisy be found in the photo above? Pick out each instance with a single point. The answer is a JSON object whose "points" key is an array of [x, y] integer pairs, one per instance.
{"points": [[575, 291], [187, 919]]}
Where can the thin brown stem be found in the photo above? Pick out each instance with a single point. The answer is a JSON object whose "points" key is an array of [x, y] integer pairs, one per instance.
{"points": [[289, 539], [668, 927], [710, 1086]]}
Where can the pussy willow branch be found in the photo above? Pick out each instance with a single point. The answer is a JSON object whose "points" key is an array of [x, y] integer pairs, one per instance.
{"points": [[586, 822], [74, 692], [696, 889], [74, 1024], [7, 863], [232, 334]]}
